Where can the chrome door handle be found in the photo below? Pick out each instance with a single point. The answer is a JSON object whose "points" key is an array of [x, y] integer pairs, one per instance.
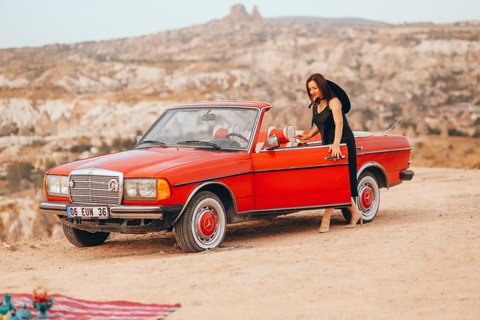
{"points": [[335, 158]]}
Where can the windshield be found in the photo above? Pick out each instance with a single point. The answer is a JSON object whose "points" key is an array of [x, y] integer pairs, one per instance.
{"points": [[206, 127]]}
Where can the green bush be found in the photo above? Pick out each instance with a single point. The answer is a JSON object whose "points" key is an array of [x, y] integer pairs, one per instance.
{"points": [[455, 133], [123, 144], [81, 148], [104, 148]]}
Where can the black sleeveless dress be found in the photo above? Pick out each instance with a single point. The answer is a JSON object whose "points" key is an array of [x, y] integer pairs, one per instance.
{"points": [[326, 125]]}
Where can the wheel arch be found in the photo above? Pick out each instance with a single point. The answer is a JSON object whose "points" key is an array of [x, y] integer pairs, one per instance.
{"points": [[378, 171], [222, 191]]}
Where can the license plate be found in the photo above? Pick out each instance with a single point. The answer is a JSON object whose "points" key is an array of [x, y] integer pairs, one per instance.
{"points": [[88, 212]]}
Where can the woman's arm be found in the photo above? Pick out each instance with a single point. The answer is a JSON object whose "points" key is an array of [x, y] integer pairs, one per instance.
{"points": [[312, 133], [336, 107]]}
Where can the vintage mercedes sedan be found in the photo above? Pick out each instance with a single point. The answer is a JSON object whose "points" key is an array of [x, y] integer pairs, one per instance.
{"points": [[203, 166]]}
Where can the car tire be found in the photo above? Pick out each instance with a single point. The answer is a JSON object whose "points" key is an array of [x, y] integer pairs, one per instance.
{"points": [[82, 238], [203, 224], [368, 200]]}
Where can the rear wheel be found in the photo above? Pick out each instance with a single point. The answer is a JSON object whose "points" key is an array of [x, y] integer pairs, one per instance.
{"points": [[203, 224], [368, 200], [82, 238]]}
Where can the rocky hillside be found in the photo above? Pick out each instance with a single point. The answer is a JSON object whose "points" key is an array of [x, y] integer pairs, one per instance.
{"points": [[102, 90]]}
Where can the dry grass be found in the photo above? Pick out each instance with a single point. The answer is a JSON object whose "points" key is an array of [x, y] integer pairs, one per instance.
{"points": [[451, 152]]}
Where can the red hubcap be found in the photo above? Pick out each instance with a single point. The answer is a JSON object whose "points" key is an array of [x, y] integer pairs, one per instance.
{"points": [[207, 223], [367, 198]]}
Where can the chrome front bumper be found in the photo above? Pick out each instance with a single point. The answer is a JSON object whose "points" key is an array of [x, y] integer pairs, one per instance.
{"points": [[116, 211]]}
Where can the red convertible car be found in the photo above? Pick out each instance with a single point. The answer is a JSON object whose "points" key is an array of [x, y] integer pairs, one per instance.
{"points": [[202, 166]]}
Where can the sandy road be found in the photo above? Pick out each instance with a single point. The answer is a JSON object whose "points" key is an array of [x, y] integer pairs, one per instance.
{"points": [[419, 259]]}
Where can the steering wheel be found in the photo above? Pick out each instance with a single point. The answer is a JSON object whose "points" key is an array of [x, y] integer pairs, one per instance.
{"points": [[234, 134]]}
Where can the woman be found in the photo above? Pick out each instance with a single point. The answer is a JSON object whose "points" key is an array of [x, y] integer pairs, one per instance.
{"points": [[331, 123]]}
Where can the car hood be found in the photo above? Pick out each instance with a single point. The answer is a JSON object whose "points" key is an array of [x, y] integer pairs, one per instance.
{"points": [[146, 162]]}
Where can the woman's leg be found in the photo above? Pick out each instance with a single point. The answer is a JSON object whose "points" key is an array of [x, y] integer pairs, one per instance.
{"points": [[325, 225], [356, 215]]}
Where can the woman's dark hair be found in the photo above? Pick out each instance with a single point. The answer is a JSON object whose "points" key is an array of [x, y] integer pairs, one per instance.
{"points": [[322, 85]]}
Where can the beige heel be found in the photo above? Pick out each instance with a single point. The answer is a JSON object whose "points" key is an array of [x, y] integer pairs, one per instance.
{"points": [[354, 224], [324, 226]]}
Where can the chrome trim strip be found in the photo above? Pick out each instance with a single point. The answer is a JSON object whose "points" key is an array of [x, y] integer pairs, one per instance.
{"points": [[136, 209], [135, 216], [136, 212], [376, 165], [383, 151], [47, 205], [334, 205], [308, 146], [201, 186], [196, 106], [314, 143]]}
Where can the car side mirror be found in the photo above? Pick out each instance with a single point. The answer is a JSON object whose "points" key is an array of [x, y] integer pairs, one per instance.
{"points": [[139, 137], [272, 143]]}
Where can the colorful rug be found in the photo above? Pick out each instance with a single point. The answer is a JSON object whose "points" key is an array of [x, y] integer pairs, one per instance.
{"points": [[69, 308]]}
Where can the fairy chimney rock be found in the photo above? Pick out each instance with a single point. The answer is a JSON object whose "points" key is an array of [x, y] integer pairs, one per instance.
{"points": [[44, 125], [256, 14], [238, 12]]}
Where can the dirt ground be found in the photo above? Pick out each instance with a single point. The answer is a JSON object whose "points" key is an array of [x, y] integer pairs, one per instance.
{"points": [[419, 259]]}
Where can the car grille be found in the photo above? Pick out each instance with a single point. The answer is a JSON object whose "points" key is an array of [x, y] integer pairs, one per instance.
{"points": [[95, 187]]}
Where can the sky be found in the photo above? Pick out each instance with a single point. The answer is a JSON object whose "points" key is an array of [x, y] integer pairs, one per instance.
{"points": [[36, 23]]}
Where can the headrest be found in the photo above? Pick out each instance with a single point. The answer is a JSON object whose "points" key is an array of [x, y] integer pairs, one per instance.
{"points": [[284, 136], [219, 132]]}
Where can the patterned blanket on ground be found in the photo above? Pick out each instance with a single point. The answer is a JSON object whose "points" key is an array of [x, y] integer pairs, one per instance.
{"points": [[69, 308]]}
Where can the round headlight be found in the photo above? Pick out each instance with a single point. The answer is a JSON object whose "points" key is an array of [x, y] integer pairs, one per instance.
{"points": [[131, 188], [147, 188], [64, 185], [53, 184], [56, 185]]}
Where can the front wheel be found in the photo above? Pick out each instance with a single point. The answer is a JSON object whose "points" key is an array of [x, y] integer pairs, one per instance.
{"points": [[203, 224], [82, 238], [368, 200]]}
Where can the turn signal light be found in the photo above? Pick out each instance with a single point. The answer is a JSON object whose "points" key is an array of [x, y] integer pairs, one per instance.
{"points": [[163, 190]]}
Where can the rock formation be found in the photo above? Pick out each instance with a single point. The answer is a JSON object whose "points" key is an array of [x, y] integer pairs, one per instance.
{"points": [[101, 89], [238, 13], [256, 14]]}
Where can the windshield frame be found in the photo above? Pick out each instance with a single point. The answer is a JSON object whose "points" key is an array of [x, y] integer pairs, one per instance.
{"points": [[206, 107]]}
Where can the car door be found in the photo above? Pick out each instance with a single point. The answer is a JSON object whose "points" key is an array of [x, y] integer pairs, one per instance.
{"points": [[300, 178]]}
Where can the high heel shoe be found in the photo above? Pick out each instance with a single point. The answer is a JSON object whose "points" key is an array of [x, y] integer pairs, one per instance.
{"points": [[354, 224], [324, 226]]}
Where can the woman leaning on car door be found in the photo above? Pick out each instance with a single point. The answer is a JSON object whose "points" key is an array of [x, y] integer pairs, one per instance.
{"points": [[329, 120]]}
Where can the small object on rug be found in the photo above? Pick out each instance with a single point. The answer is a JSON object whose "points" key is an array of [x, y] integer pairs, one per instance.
{"points": [[24, 313], [5, 306], [70, 308], [42, 302]]}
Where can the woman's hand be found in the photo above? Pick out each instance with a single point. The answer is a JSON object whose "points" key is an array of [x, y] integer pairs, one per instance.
{"points": [[335, 149], [302, 136]]}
